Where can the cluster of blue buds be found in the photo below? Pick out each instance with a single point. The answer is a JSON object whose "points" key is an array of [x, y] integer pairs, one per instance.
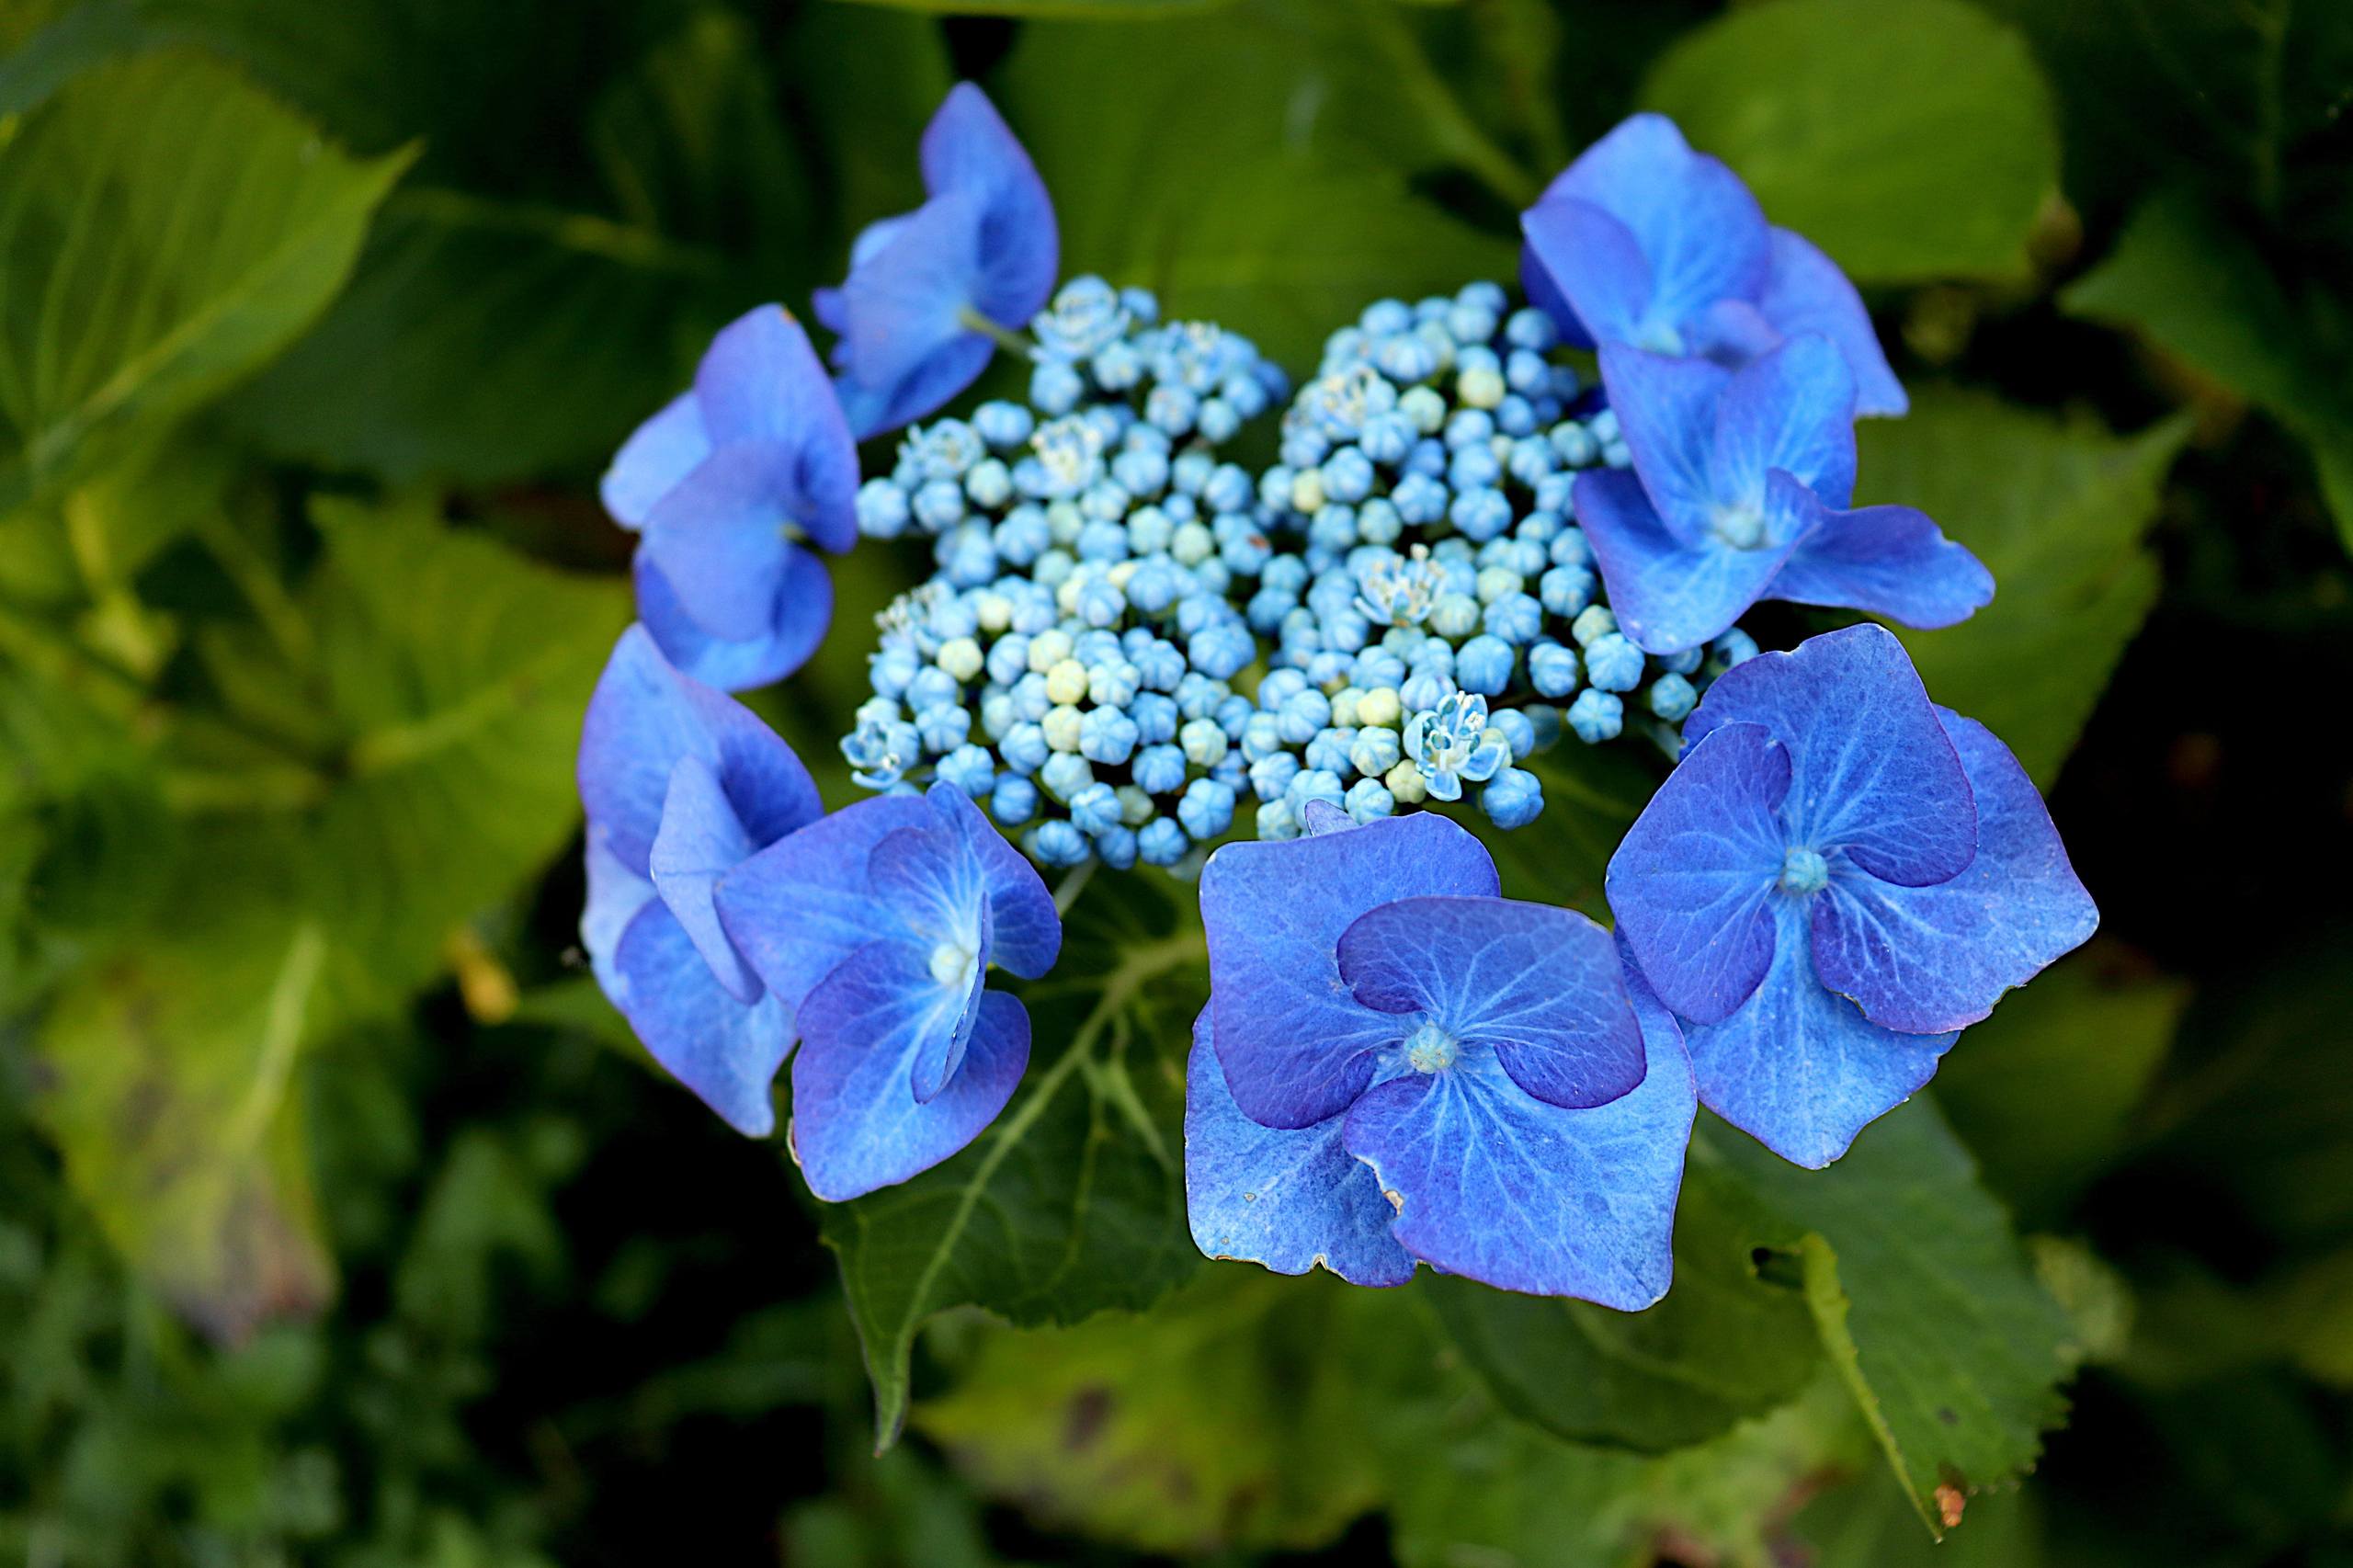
{"points": [[1072, 661]]}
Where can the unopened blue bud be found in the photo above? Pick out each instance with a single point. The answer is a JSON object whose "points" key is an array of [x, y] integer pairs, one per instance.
{"points": [[1552, 669], [1013, 800], [1613, 663], [1672, 698], [1206, 809], [1161, 842], [1596, 716], [1514, 798]]}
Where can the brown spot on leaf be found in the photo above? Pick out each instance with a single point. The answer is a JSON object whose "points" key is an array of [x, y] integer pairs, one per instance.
{"points": [[1950, 1500], [1090, 1411]]}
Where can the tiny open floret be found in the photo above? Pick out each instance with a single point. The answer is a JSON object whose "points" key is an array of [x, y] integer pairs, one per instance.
{"points": [[1838, 877], [1397, 1066], [927, 289], [1739, 491], [680, 785], [877, 926], [1646, 243], [727, 486]]}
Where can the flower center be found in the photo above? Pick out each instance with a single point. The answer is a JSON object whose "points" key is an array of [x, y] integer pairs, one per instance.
{"points": [[1743, 527], [951, 965], [1430, 1049], [1804, 870]]}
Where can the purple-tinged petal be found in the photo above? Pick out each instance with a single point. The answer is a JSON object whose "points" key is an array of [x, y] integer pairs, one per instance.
{"points": [[1668, 595], [643, 718], [1029, 929], [701, 841], [1804, 291], [657, 455], [726, 1053], [1538, 985], [1494, 1184], [1794, 410], [760, 384], [1934, 959], [968, 146], [1667, 411], [1799, 1068], [803, 904], [927, 877], [1693, 882], [1732, 333], [1292, 1038], [1872, 772], [1286, 1199], [941, 1056], [1698, 227], [804, 606], [857, 1125], [906, 347], [1592, 264], [719, 539], [1888, 559], [615, 896]]}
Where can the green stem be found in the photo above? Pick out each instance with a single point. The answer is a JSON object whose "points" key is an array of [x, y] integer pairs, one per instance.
{"points": [[1014, 342]]}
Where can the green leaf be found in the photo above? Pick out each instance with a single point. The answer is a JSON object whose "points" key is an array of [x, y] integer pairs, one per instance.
{"points": [[1867, 1525], [1071, 10], [1230, 1416], [1073, 1199], [1923, 1299], [1243, 206], [164, 230], [2044, 1093], [2056, 508], [1911, 139], [2196, 288], [1723, 1346]]}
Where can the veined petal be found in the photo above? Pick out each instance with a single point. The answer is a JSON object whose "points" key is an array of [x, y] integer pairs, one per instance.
{"points": [[1668, 595], [857, 1125], [1027, 929], [1804, 291], [804, 608], [719, 539], [1888, 559], [802, 906], [1798, 1067], [1928, 960], [1792, 409], [1872, 772], [699, 842], [1538, 985], [643, 718], [726, 1053], [658, 454], [1693, 882], [1492, 1183], [1667, 411], [1290, 1036], [1594, 265], [1287, 1199]]}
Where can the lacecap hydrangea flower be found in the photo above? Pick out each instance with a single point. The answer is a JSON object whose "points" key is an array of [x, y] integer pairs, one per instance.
{"points": [[1397, 1066], [1838, 876], [928, 290], [726, 486]]}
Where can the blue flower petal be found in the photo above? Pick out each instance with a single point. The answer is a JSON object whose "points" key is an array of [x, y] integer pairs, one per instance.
{"points": [[857, 1124], [1289, 1199], [907, 347], [1666, 409], [1804, 291], [1027, 930], [1933, 959], [968, 146], [1888, 559], [718, 537], [1799, 1067], [800, 907], [1538, 985], [615, 896], [700, 841], [643, 718], [1668, 595], [1872, 772], [1593, 263], [1793, 409], [796, 623], [1693, 881], [1494, 1184], [726, 1053], [760, 383], [1700, 229], [658, 454], [1289, 1033]]}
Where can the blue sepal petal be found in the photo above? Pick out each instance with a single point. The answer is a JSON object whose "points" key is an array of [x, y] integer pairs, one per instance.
{"points": [[700, 841], [1792, 409], [1805, 291], [1666, 409], [968, 146], [1693, 881], [615, 896], [796, 623], [1888, 559], [1593, 263], [761, 384], [726, 1053], [802, 906], [1289, 1199], [1668, 595], [658, 454], [1933, 959], [1027, 928], [857, 1125], [718, 538], [1292, 1038], [1537, 984]]}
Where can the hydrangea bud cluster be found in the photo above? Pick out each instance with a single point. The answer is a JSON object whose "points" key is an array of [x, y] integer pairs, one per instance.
{"points": [[1434, 612], [1070, 663]]}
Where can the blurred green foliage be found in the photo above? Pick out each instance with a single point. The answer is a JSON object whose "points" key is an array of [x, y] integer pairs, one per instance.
{"points": [[341, 1222]]}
